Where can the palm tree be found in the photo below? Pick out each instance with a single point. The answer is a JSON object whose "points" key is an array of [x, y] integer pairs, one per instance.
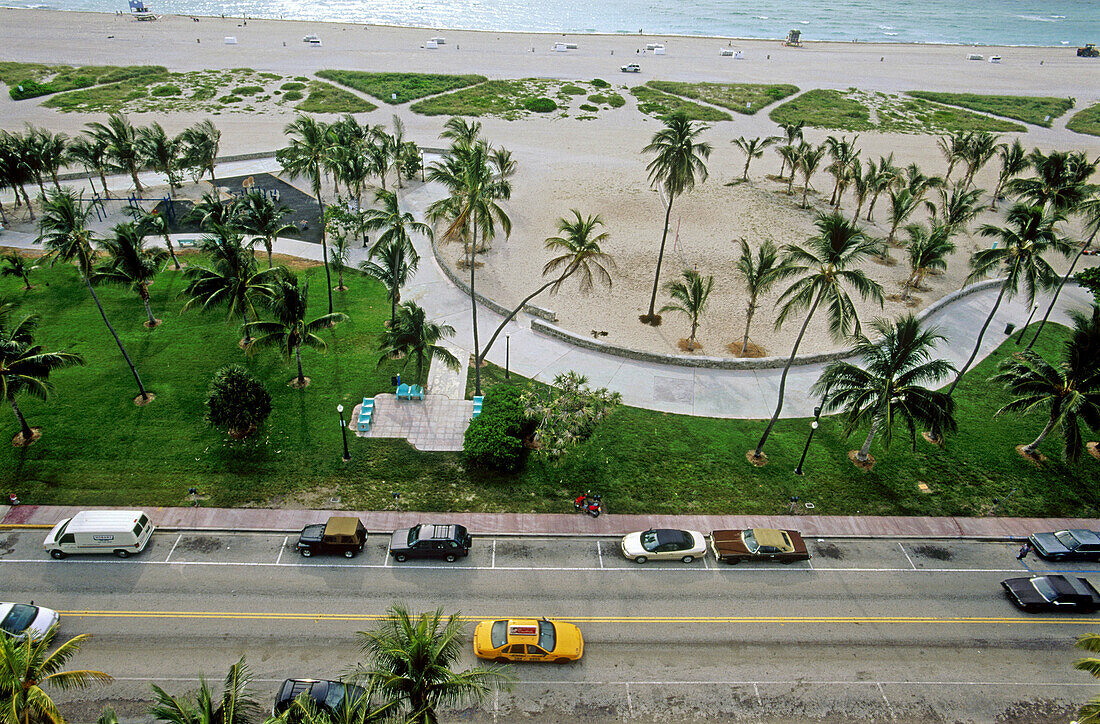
{"points": [[15, 163], [130, 264], [340, 243], [954, 149], [28, 669], [1018, 254], [64, 234], [153, 222], [982, 147], [308, 154], [752, 148], [809, 159], [90, 151], [902, 205], [1089, 713], [460, 131], [1060, 181], [412, 659], [928, 252], [861, 184], [412, 336], [882, 178], [689, 297], [122, 145], [392, 265], [893, 383], [791, 132], [235, 706], [918, 184], [289, 331], [398, 147], [678, 160], [51, 151], [824, 268], [202, 141], [31, 156], [376, 153], [210, 211], [1013, 163], [958, 208], [25, 368], [791, 155], [264, 219], [162, 153], [760, 274], [1070, 390], [394, 224], [845, 155], [18, 266]]}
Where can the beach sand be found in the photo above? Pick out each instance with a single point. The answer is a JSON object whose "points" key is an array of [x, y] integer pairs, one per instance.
{"points": [[595, 166]]}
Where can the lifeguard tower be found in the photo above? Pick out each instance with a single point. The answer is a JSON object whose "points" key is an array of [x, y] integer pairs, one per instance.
{"points": [[794, 39], [139, 11]]}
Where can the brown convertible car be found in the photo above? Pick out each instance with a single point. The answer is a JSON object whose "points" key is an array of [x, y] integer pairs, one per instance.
{"points": [[758, 544]]}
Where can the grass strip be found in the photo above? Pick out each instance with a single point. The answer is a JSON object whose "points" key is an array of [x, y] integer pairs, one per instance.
{"points": [[1037, 110], [746, 98], [1086, 121], [406, 86], [656, 103], [327, 98]]}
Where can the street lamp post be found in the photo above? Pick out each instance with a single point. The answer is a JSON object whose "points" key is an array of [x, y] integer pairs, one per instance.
{"points": [[813, 429], [507, 355], [343, 432]]}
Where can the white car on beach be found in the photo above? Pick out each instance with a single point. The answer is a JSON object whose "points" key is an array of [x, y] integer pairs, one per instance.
{"points": [[632, 68]]}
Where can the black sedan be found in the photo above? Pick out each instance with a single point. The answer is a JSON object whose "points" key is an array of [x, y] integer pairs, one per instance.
{"points": [[1067, 545], [333, 697], [1052, 593]]}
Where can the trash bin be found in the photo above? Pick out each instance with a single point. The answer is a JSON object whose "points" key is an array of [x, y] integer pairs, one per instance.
{"points": [[1010, 328]]}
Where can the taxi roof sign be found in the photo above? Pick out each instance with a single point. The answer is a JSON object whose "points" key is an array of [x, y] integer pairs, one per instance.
{"points": [[523, 630]]}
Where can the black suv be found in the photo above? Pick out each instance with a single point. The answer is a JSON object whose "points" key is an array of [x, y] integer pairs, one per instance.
{"points": [[330, 696], [342, 534], [430, 541]]}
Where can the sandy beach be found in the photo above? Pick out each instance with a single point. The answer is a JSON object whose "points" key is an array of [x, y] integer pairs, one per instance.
{"points": [[595, 166]]}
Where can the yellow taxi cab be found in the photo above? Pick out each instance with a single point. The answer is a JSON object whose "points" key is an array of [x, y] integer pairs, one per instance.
{"points": [[528, 639]]}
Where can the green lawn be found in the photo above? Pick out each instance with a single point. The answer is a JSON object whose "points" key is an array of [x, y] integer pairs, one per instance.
{"points": [[326, 98], [98, 448], [407, 86], [825, 108], [1037, 110], [745, 98], [38, 79], [508, 99], [1086, 120], [659, 104]]}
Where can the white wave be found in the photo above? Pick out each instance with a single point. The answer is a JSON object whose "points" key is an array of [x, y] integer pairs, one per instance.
{"points": [[1035, 19], [804, 22], [886, 27], [1058, 17], [761, 17], [890, 34]]}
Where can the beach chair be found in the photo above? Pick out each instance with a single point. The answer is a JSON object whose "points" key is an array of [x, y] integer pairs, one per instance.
{"points": [[477, 405], [366, 412], [403, 391], [416, 391]]}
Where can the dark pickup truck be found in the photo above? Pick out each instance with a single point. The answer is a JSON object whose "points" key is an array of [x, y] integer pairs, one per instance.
{"points": [[448, 542], [758, 544], [341, 534]]}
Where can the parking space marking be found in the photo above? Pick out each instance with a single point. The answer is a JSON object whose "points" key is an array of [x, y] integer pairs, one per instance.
{"points": [[907, 555], [180, 536], [759, 701], [599, 552], [385, 558], [885, 700], [629, 702], [493, 562], [286, 540]]}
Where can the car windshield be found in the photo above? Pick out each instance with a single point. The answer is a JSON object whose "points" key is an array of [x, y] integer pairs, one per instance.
{"points": [[1042, 585], [649, 540], [498, 634], [414, 533], [1067, 539], [750, 541], [547, 637], [18, 619]]}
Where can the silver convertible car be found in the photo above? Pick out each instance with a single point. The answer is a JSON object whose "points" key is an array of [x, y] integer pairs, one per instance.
{"points": [[18, 620], [664, 544]]}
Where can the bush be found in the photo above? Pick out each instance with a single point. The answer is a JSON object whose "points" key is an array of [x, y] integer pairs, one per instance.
{"points": [[231, 99], [540, 105], [1090, 279], [247, 90], [167, 89], [600, 83], [237, 401], [292, 96], [292, 85], [494, 438], [588, 107], [572, 89], [568, 412]]}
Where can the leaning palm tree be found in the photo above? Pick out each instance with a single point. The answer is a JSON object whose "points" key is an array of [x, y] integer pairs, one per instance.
{"points": [[309, 154], [393, 223], [130, 264], [90, 151], [153, 222], [982, 147], [25, 368], [882, 178], [412, 337], [15, 164], [1060, 181], [861, 184], [28, 669], [51, 150], [902, 205], [211, 210], [928, 249], [689, 297], [759, 274], [235, 706], [392, 265], [679, 160], [1013, 163], [201, 144], [1069, 390], [162, 153], [460, 131], [957, 208], [64, 234], [809, 158], [893, 382], [579, 243], [791, 132], [752, 148], [824, 270], [954, 148], [412, 657], [790, 155], [18, 266], [844, 156], [264, 219], [122, 145], [289, 331], [1089, 713]]}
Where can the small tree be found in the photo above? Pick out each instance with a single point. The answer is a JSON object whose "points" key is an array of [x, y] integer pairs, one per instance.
{"points": [[752, 148], [18, 266], [568, 412], [689, 297], [237, 401]]}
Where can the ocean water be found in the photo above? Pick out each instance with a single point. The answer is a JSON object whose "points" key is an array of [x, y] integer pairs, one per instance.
{"points": [[984, 22]]}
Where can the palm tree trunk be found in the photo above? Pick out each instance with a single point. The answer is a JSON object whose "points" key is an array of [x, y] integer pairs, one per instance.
{"points": [[103, 180], [805, 191], [660, 259], [41, 186], [56, 183], [871, 208], [1061, 284], [3, 216], [748, 322], [978, 344], [26, 282], [783, 380], [143, 292], [213, 181], [172, 251], [138, 188], [866, 449], [1054, 414], [691, 339], [745, 174], [511, 315], [28, 433], [473, 305], [324, 244], [298, 356], [247, 334], [27, 199], [836, 187], [125, 356]]}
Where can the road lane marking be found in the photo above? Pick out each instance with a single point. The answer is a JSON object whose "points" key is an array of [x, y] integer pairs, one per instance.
{"points": [[180, 536], [493, 563], [286, 539], [759, 701], [907, 555], [599, 552]]}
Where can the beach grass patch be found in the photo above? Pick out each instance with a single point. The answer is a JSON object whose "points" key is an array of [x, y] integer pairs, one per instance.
{"points": [[614, 100], [600, 83], [301, 79], [247, 90], [507, 99], [407, 86], [163, 91], [572, 89], [293, 96], [1086, 120], [230, 99], [98, 99], [292, 85], [659, 104], [327, 98], [589, 107], [32, 80], [270, 76], [824, 108], [745, 98], [1037, 110], [540, 105]]}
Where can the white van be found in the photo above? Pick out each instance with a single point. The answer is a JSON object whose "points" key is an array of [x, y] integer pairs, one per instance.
{"points": [[122, 532]]}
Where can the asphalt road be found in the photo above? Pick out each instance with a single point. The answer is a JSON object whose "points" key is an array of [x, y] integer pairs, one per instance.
{"points": [[869, 630]]}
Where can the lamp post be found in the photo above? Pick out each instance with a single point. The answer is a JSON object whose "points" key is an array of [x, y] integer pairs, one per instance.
{"points": [[343, 432], [507, 355], [813, 429]]}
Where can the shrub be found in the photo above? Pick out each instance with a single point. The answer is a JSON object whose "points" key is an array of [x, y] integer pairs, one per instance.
{"points": [[494, 438], [301, 78], [572, 89], [600, 83], [237, 401], [230, 99], [292, 85], [540, 105], [588, 107], [1090, 279], [247, 90], [568, 412], [292, 96], [167, 89]]}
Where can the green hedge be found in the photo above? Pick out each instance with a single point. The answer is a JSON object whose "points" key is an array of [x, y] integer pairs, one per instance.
{"points": [[494, 438]]}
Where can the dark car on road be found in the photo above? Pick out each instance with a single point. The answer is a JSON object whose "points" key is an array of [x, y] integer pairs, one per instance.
{"points": [[758, 544], [1052, 593], [448, 542], [1067, 545], [330, 696], [341, 534]]}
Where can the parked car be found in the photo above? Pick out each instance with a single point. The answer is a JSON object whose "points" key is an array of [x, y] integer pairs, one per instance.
{"points": [[430, 541], [528, 639], [122, 532], [330, 696], [1067, 545], [1052, 593], [664, 544], [341, 534], [758, 544], [631, 68], [19, 620]]}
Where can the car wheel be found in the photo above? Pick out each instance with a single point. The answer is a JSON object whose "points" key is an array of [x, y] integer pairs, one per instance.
{"points": [[640, 559], [561, 661], [787, 562], [688, 559], [732, 561], [349, 554], [450, 557], [57, 554], [401, 558], [306, 553], [122, 553]]}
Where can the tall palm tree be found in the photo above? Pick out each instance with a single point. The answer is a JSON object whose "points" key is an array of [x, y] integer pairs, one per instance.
{"points": [[64, 234], [460, 131], [202, 142], [824, 270], [25, 368], [394, 224], [376, 153], [122, 145], [51, 149], [1013, 163], [1089, 713], [309, 154], [791, 132], [983, 146], [235, 706], [130, 264], [844, 155], [16, 163], [413, 337], [957, 208], [902, 205], [31, 155], [1069, 390], [412, 657], [28, 669], [790, 156], [752, 148], [861, 184], [153, 222], [928, 251], [1028, 236], [90, 151], [1060, 181], [162, 153], [882, 178], [392, 265], [953, 147], [759, 274], [679, 160], [808, 160], [689, 297], [340, 243], [917, 182], [892, 383], [579, 243], [289, 331], [264, 219], [16, 265]]}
